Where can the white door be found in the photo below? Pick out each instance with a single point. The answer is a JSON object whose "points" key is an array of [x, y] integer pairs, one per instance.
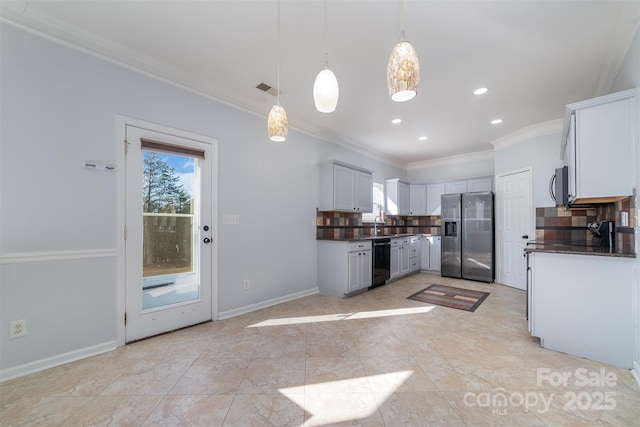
{"points": [[515, 226], [169, 232]]}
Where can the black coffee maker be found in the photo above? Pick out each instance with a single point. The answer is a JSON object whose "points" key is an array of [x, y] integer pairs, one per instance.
{"points": [[603, 233]]}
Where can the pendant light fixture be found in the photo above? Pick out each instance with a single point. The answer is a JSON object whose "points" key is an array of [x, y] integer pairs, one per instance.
{"points": [[403, 70], [277, 122], [325, 88]]}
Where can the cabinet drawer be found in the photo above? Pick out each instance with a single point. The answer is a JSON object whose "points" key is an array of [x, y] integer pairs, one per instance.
{"points": [[360, 246]]}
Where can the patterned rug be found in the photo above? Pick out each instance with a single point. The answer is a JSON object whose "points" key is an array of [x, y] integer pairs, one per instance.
{"points": [[447, 296]]}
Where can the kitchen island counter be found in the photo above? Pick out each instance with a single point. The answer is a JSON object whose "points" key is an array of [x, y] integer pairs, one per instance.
{"points": [[576, 249]]}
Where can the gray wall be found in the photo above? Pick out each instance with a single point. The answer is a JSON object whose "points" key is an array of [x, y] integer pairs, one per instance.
{"points": [[542, 153], [59, 110], [451, 169]]}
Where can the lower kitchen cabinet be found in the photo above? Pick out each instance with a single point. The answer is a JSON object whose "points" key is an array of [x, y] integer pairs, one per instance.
{"points": [[415, 249], [582, 305], [430, 255], [344, 268], [400, 254]]}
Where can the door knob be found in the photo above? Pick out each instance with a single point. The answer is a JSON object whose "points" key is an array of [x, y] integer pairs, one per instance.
{"points": [[207, 240]]}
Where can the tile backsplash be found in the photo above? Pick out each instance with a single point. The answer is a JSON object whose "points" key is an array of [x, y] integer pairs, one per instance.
{"points": [[570, 225], [349, 225]]}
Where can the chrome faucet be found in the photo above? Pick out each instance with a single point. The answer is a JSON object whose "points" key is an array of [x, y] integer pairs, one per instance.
{"points": [[375, 225]]}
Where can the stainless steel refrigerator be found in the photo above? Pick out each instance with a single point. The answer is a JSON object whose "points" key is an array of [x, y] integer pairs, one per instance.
{"points": [[467, 222]]}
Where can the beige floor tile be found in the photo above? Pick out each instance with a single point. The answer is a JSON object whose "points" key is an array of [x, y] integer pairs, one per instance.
{"points": [[154, 379], [41, 411], [114, 411], [394, 374], [330, 345], [265, 410], [326, 408], [212, 376], [269, 375], [417, 408], [241, 345], [336, 375], [191, 410]]}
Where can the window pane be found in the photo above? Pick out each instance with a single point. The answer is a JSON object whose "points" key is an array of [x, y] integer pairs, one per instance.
{"points": [[167, 245]]}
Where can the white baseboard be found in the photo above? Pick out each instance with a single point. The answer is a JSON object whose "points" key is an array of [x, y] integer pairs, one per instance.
{"points": [[60, 359], [264, 304], [636, 372]]}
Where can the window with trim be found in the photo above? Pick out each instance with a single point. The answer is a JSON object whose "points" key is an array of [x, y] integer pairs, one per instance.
{"points": [[378, 205]]}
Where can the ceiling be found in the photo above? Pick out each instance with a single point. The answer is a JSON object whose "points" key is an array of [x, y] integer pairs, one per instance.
{"points": [[533, 56]]}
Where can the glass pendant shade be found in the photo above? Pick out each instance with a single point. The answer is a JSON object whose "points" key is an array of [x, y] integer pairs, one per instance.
{"points": [[403, 72], [277, 123], [326, 91]]}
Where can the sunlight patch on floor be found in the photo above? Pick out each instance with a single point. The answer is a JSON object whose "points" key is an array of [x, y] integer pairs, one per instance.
{"points": [[342, 316], [328, 403]]}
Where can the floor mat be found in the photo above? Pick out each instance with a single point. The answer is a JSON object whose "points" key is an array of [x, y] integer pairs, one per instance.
{"points": [[448, 296]]}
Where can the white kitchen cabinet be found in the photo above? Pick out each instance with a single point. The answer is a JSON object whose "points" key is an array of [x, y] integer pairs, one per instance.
{"points": [[581, 305], [400, 255], [430, 255], [434, 191], [598, 146], [359, 270], [397, 197], [345, 188], [479, 184], [434, 253], [344, 268], [415, 249], [425, 260], [455, 187], [417, 199]]}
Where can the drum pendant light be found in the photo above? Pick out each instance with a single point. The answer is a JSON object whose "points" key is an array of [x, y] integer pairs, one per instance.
{"points": [[325, 88], [403, 70], [277, 122]]}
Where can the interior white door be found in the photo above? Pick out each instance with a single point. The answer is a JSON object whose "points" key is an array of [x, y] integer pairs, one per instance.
{"points": [[169, 230], [515, 226]]}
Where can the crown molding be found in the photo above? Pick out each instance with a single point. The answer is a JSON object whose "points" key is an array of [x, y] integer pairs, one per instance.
{"points": [[533, 131], [452, 160]]}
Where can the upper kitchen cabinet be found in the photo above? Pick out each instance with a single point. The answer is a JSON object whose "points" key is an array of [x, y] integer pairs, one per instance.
{"points": [[480, 184], [417, 199], [455, 187], [598, 147], [345, 188], [434, 191], [397, 197]]}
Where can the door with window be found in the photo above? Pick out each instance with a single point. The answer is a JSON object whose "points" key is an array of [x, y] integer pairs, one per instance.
{"points": [[169, 235]]}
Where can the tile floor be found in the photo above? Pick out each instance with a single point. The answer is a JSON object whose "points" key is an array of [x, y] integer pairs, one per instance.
{"points": [[376, 359]]}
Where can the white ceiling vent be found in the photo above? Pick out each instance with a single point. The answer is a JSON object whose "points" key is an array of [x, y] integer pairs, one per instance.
{"points": [[266, 88]]}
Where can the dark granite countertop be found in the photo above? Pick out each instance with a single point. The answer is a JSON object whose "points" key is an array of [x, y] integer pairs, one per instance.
{"points": [[576, 249], [387, 236]]}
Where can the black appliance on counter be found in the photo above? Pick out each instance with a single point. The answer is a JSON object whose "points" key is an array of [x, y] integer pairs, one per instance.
{"points": [[603, 233], [381, 264]]}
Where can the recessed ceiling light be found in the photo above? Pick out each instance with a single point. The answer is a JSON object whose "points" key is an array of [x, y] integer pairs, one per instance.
{"points": [[496, 121], [423, 138], [480, 91], [396, 121]]}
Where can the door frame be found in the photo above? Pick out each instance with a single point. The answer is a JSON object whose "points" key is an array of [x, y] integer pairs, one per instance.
{"points": [[121, 123], [499, 219]]}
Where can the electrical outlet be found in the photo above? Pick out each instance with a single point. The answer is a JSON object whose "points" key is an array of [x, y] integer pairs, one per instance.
{"points": [[17, 328], [245, 284]]}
